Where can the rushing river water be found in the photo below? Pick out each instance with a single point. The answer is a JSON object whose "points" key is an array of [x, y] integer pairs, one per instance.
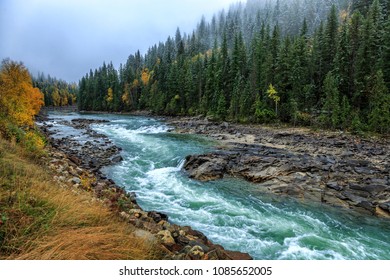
{"points": [[230, 212]]}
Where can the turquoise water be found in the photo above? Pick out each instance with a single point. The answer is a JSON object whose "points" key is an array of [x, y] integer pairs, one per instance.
{"points": [[232, 212]]}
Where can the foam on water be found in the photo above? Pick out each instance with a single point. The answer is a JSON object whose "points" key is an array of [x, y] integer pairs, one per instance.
{"points": [[231, 212]]}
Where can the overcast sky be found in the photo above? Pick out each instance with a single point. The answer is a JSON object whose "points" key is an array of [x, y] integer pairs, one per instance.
{"points": [[66, 38]]}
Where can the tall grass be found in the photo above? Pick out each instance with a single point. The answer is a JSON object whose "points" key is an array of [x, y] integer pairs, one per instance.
{"points": [[39, 220]]}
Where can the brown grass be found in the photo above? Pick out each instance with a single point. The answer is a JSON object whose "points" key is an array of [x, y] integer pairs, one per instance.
{"points": [[39, 220]]}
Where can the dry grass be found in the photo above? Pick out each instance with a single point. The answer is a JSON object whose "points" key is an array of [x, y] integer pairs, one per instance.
{"points": [[39, 220]]}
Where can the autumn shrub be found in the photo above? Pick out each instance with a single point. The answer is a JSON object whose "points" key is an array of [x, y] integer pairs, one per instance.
{"points": [[34, 142]]}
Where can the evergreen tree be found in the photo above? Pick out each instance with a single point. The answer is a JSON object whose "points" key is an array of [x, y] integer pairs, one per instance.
{"points": [[379, 117], [331, 109], [330, 39], [386, 52]]}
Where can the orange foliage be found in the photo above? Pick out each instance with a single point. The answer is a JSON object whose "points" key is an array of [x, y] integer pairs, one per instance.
{"points": [[19, 100]]}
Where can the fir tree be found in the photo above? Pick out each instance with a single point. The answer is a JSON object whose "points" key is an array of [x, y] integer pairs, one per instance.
{"points": [[331, 109], [379, 117]]}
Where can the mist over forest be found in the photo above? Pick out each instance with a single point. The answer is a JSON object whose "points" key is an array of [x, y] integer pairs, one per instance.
{"points": [[304, 62]]}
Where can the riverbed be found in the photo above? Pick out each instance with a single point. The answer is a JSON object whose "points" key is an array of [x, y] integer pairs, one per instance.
{"points": [[230, 212]]}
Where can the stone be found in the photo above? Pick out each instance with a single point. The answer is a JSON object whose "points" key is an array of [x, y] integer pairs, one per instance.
{"points": [[205, 168], [195, 253], [76, 180], [116, 159], [194, 243], [137, 213], [125, 216], [371, 189], [157, 217], [385, 206], [334, 186], [366, 205], [166, 237]]}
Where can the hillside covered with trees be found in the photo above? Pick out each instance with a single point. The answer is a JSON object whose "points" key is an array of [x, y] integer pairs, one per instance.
{"points": [[322, 63], [56, 92]]}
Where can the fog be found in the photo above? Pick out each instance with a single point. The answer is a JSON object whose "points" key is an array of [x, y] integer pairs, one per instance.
{"points": [[66, 38]]}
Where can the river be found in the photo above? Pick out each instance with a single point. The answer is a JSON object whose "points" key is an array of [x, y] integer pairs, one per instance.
{"points": [[230, 212]]}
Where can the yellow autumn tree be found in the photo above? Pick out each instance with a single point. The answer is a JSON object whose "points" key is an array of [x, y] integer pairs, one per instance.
{"points": [[56, 97], [19, 100], [126, 96], [145, 77], [110, 96], [273, 94]]}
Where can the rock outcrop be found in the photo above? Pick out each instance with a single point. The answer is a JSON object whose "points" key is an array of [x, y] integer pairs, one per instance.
{"points": [[336, 169]]}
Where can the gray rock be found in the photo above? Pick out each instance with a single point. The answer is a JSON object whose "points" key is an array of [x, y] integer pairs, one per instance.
{"points": [[385, 206], [334, 186], [76, 180], [116, 159]]}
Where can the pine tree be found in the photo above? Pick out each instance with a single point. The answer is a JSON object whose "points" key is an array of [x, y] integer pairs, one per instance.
{"points": [[379, 117], [331, 109], [235, 100], [370, 54], [330, 39], [386, 51]]}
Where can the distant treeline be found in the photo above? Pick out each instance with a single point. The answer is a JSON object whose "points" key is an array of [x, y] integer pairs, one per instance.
{"points": [[56, 92], [324, 63]]}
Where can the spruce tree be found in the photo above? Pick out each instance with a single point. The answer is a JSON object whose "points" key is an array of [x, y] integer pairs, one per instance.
{"points": [[330, 115], [379, 117], [330, 39]]}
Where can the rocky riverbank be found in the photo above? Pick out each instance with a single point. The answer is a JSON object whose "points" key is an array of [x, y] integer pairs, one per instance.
{"points": [[331, 168], [76, 164]]}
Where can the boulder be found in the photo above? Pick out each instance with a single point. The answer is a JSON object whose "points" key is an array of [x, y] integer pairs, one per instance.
{"points": [[206, 167]]}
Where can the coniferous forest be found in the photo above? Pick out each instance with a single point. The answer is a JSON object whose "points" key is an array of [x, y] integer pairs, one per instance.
{"points": [[303, 62], [56, 92]]}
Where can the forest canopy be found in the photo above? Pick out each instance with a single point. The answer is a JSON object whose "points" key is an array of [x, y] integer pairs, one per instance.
{"points": [[326, 61]]}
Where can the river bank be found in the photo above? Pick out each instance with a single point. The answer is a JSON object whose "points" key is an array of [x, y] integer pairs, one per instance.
{"points": [[336, 169], [79, 163]]}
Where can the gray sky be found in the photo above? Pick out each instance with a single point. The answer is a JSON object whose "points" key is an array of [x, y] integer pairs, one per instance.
{"points": [[65, 38]]}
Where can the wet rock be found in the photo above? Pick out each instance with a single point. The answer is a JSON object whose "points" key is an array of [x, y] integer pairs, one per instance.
{"points": [[116, 159], [367, 205], [157, 217], [205, 168]]}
